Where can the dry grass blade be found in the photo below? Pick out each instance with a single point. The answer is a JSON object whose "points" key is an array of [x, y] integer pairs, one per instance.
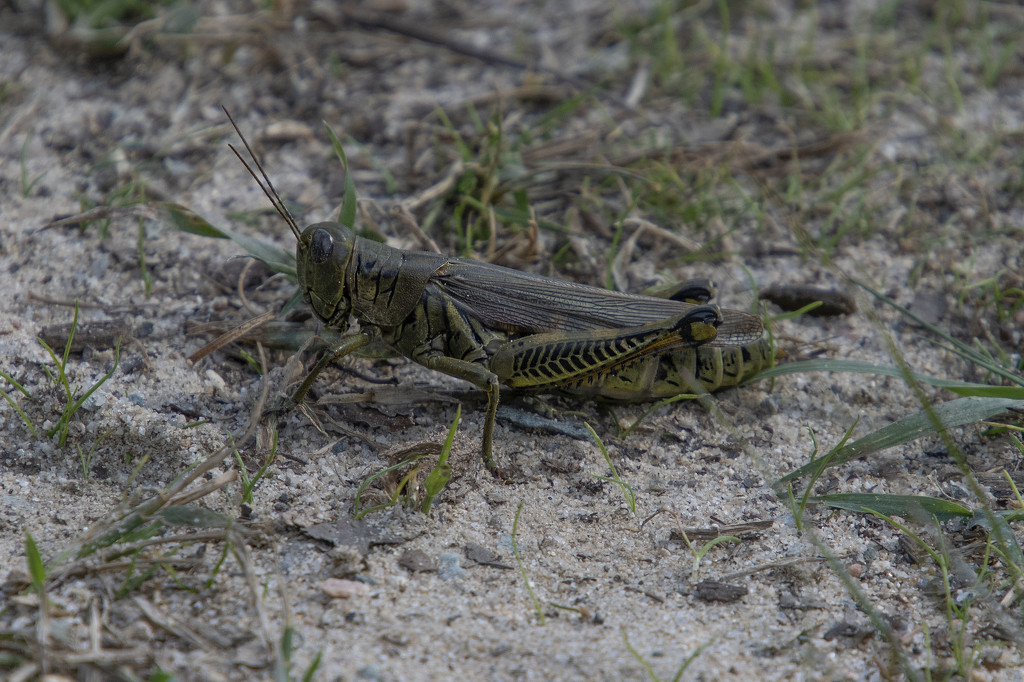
{"points": [[435, 191], [149, 212], [174, 626], [625, 252], [378, 20], [234, 335], [401, 213]]}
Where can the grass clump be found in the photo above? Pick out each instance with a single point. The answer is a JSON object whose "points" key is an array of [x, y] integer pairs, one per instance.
{"points": [[74, 396]]}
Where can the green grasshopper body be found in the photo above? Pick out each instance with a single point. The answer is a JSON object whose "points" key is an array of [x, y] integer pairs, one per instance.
{"points": [[494, 326]]}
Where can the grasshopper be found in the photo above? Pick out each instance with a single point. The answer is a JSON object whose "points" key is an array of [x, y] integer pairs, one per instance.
{"points": [[494, 326]]}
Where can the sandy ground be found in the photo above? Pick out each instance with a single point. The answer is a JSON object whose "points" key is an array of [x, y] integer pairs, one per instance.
{"points": [[440, 596]]}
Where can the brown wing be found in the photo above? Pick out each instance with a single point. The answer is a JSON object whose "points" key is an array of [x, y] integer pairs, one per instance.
{"points": [[522, 302]]}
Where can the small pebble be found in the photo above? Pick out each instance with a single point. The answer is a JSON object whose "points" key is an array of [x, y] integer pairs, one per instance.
{"points": [[218, 382], [416, 560], [336, 588], [448, 566]]}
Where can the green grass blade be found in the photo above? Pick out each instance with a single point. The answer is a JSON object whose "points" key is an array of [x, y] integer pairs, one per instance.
{"points": [[639, 657], [347, 214], [708, 546], [147, 279], [820, 464], [954, 413], [519, 563], [276, 258], [16, 385], [654, 408], [72, 407], [71, 337], [358, 511], [294, 301], [515, 216], [627, 489], [439, 476], [894, 505], [858, 367], [21, 413], [36, 568], [130, 527], [954, 345], [26, 184], [465, 153], [186, 220], [313, 667], [982, 391], [793, 314], [998, 525], [690, 659]]}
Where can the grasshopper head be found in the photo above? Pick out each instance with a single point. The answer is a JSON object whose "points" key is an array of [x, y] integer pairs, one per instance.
{"points": [[322, 251], [322, 255]]}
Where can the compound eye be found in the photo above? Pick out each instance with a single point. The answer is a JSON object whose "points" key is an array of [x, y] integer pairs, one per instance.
{"points": [[322, 246]]}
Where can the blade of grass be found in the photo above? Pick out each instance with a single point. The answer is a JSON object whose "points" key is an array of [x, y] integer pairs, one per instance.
{"points": [[623, 433], [856, 366], [650, 670], [26, 184], [313, 667], [954, 345], [36, 568], [347, 214], [627, 489], [699, 552], [15, 383], [186, 220], [515, 216], [519, 563], [820, 466], [147, 279], [894, 505], [71, 337], [72, 407], [639, 657], [954, 413], [439, 476], [998, 525], [37, 573], [13, 404], [359, 512]]}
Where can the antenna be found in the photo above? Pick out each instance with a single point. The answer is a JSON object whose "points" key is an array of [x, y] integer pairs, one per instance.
{"points": [[268, 188]]}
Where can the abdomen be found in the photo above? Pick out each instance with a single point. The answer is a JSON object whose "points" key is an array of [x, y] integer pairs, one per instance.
{"points": [[673, 373]]}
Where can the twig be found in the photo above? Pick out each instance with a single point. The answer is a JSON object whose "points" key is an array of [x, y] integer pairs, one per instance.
{"points": [[171, 624], [436, 190], [241, 287], [374, 20], [402, 214], [231, 336]]}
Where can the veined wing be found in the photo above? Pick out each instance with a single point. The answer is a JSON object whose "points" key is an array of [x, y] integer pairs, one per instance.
{"points": [[518, 301]]}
